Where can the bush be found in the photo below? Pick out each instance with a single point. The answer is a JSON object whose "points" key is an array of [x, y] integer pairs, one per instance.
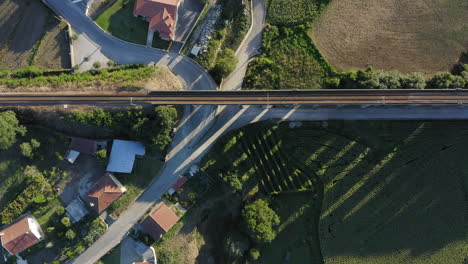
{"points": [[96, 65], [26, 150], [254, 254], [260, 221], [166, 256], [101, 156], [70, 234], [65, 221], [97, 228], [110, 63], [60, 210], [445, 80]]}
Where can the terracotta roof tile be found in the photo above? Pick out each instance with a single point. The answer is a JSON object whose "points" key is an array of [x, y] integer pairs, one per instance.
{"points": [[159, 221], [18, 236], [161, 14], [105, 192]]}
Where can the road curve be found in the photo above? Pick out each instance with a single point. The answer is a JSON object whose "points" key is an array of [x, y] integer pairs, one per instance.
{"points": [[249, 47], [122, 52]]}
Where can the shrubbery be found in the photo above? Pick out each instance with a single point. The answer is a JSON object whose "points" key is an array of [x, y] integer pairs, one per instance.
{"points": [[154, 129], [27, 148], [97, 229], [30, 77], [33, 194]]}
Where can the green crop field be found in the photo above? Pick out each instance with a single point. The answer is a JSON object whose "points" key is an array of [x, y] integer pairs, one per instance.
{"points": [[356, 192]]}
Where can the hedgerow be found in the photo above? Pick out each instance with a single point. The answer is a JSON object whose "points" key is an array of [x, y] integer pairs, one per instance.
{"points": [[32, 77]]}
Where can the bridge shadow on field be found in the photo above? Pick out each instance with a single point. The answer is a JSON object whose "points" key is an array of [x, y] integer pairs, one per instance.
{"points": [[405, 201]]}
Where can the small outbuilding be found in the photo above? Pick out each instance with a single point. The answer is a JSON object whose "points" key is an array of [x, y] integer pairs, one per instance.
{"points": [[160, 221], [180, 182], [123, 153], [76, 210], [80, 146], [105, 192], [22, 234]]}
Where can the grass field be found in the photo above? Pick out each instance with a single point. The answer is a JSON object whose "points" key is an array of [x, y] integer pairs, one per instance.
{"points": [[23, 23], [410, 36], [118, 20], [393, 191]]}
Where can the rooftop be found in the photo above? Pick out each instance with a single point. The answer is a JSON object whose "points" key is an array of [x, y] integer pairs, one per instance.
{"points": [[105, 192], [83, 145], [161, 14], [21, 234], [160, 221], [123, 154]]}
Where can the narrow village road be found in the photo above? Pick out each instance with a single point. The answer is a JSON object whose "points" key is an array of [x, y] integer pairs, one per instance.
{"points": [[249, 47], [191, 74]]}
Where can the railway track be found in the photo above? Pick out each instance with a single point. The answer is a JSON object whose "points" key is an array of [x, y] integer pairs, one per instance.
{"points": [[278, 97]]}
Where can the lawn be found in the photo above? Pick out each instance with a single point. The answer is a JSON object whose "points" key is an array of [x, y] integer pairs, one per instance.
{"points": [[118, 20], [409, 36], [145, 171], [393, 191], [113, 257]]}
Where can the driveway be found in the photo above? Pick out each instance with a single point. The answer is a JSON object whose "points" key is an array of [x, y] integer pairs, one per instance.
{"points": [[187, 16]]}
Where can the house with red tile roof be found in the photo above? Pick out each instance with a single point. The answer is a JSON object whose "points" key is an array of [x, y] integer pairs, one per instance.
{"points": [[22, 234], [161, 15], [160, 221], [105, 192]]}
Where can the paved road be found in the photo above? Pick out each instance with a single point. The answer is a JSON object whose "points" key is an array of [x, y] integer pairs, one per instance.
{"points": [[187, 15], [249, 46], [193, 75]]}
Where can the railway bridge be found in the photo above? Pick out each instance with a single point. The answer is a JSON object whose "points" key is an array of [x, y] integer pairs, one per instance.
{"points": [[258, 97]]}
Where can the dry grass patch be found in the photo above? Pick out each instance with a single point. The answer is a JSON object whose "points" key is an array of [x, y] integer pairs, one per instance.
{"points": [[410, 36], [22, 26]]}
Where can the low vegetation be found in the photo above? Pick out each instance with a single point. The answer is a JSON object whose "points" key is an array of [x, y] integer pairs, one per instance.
{"points": [[33, 77], [233, 24], [290, 59], [154, 128]]}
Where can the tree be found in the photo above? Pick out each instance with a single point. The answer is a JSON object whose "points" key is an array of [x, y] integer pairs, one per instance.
{"points": [[9, 128], [389, 79], [70, 234], [66, 221], [101, 156], [260, 221], [27, 148], [233, 179], [165, 119], [225, 65]]}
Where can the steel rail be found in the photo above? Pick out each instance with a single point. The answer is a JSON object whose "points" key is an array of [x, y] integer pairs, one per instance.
{"points": [[246, 97]]}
